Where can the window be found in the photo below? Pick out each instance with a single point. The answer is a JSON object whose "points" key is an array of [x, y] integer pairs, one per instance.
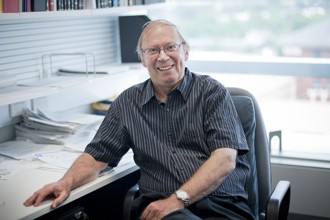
{"points": [[278, 50]]}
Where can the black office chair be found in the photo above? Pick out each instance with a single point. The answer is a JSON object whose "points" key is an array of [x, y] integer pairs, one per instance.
{"points": [[265, 203]]}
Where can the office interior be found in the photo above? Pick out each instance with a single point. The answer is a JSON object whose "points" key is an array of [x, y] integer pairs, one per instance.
{"points": [[33, 46]]}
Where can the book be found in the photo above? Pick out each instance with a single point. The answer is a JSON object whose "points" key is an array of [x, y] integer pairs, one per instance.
{"points": [[39, 5], [91, 4], [24, 5], [28, 5], [51, 5], [81, 4], [10, 6]]}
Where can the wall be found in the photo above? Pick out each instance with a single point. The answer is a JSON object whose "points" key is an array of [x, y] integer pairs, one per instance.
{"points": [[23, 42], [310, 192]]}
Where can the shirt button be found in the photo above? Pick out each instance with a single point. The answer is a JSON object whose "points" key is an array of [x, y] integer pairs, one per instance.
{"points": [[167, 109]]}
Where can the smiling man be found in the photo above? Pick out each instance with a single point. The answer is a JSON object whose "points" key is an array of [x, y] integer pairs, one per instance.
{"points": [[185, 134]]}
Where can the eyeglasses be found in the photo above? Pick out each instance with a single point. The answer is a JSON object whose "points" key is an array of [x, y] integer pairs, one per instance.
{"points": [[168, 49]]}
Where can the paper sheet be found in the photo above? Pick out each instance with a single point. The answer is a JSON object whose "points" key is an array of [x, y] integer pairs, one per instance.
{"points": [[63, 159], [25, 149]]}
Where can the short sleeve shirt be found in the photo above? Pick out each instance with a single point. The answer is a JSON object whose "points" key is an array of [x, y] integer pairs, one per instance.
{"points": [[172, 140]]}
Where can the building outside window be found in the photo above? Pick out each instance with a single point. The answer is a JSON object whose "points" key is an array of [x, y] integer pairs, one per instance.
{"points": [[255, 36]]}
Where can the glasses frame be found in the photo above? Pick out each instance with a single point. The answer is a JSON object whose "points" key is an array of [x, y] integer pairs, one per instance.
{"points": [[152, 51]]}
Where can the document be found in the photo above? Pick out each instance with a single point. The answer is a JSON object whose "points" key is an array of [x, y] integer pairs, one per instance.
{"points": [[62, 159], [24, 149]]}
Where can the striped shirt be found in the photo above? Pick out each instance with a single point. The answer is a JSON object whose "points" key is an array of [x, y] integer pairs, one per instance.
{"points": [[172, 140]]}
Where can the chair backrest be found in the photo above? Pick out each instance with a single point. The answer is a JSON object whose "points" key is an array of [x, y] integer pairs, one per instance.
{"points": [[259, 185]]}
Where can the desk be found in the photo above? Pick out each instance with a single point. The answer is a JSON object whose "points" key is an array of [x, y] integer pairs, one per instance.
{"points": [[17, 189]]}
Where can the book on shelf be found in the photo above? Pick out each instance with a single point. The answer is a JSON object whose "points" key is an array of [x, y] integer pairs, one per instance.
{"points": [[64, 5], [96, 4], [148, 2], [10, 6], [24, 5], [51, 5], [39, 5], [27, 5]]}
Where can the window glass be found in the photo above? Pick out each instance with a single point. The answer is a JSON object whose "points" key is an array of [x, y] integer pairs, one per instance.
{"points": [[295, 103]]}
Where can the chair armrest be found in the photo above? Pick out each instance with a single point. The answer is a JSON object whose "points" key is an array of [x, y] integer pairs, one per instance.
{"points": [[279, 201], [130, 195]]}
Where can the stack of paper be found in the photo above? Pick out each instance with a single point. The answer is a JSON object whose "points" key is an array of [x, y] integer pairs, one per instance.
{"points": [[73, 131]]}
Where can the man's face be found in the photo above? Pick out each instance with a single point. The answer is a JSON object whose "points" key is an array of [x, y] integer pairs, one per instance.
{"points": [[165, 69]]}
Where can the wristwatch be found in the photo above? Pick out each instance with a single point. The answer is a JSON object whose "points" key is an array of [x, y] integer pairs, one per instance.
{"points": [[182, 195]]}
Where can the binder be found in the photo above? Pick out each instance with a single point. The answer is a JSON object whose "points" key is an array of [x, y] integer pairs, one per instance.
{"points": [[10, 6], [39, 5]]}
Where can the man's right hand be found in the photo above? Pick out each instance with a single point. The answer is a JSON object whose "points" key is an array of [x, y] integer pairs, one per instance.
{"points": [[59, 190]]}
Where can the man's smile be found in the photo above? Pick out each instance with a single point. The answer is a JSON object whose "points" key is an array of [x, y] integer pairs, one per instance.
{"points": [[164, 68]]}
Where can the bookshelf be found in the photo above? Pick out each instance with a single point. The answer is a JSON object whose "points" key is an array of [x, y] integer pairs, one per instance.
{"points": [[116, 11], [90, 9], [32, 31]]}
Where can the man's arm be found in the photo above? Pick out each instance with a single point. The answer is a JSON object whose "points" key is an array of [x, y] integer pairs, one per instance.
{"points": [[83, 170], [207, 178], [211, 174]]}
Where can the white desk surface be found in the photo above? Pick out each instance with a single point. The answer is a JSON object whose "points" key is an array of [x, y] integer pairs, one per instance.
{"points": [[16, 190]]}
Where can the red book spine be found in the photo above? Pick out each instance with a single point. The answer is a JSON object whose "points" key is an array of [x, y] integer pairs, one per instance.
{"points": [[28, 5], [51, 5], [10, 6]]}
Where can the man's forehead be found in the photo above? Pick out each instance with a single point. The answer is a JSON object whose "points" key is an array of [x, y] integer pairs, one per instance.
{"points": [[160, 32]]}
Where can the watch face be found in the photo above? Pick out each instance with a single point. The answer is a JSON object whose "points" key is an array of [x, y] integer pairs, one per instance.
{"points": [[182, 194]]}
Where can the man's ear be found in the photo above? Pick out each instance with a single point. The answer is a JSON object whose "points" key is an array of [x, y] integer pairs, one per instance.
{"points": [[186, 55]]}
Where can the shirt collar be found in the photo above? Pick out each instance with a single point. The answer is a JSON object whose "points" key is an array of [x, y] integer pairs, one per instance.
{"points": [[183, 88], [186, 84]]}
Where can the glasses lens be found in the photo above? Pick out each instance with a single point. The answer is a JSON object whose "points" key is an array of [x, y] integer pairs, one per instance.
{"points": [[152, 51], [171, 47], [167, 49]]}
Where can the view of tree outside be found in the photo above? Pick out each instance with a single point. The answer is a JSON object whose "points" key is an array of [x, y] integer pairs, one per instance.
{"points": [[297, 105]]}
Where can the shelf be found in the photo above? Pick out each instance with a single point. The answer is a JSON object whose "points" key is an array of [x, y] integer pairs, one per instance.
{"points": [[58, 84], [115, 11]]}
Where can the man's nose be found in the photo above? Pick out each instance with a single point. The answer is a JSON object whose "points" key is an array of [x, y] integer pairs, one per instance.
{"points": [[162, 54]]}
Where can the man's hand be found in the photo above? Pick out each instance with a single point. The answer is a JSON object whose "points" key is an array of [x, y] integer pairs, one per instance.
{"points": [[160, 208], [59, 190], [83, 170]]}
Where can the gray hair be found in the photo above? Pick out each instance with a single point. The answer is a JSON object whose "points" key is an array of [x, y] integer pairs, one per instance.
{"points": [[147, 26]]}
